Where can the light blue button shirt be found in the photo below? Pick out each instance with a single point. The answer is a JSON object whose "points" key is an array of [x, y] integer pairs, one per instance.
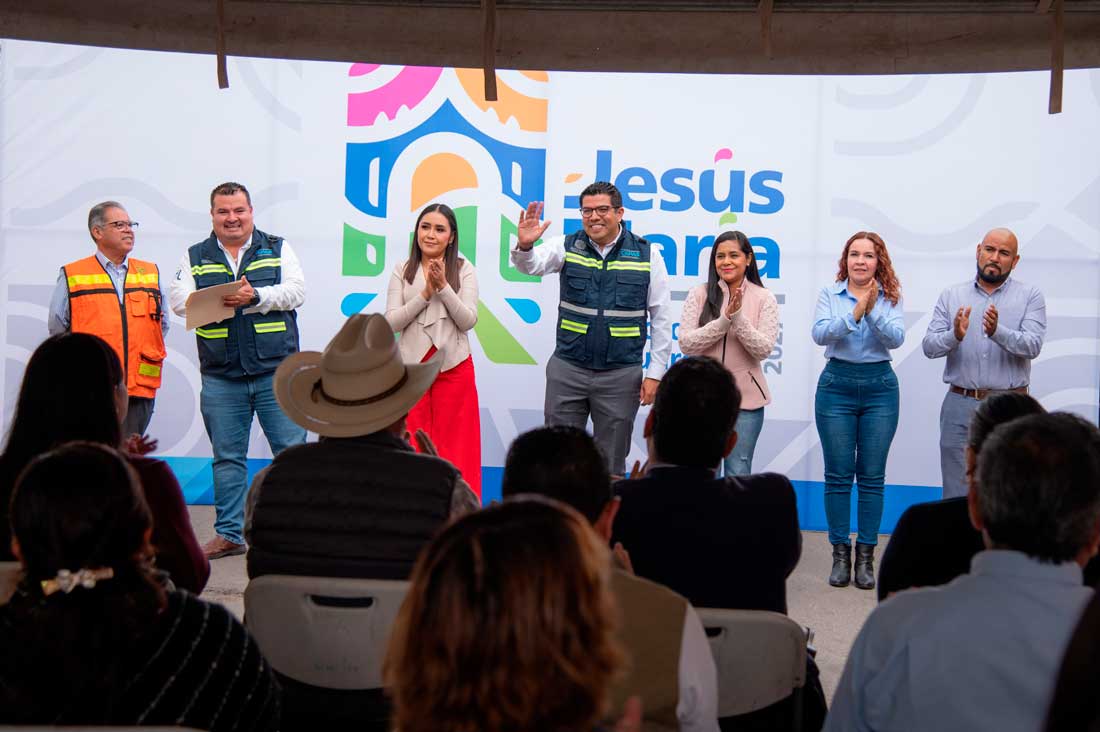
{"points": [[980, 653], [60, 318], [1000, 361], [868, 341]]}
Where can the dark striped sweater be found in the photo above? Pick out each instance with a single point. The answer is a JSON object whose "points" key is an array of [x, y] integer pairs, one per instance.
{"points": [[196, 667]]}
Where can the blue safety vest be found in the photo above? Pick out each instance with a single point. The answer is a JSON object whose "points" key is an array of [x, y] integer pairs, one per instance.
{"points": [[244, 345], [602, 313]]}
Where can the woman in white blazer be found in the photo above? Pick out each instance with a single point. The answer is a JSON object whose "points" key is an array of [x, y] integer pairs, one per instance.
{"points": [[432, 303]]}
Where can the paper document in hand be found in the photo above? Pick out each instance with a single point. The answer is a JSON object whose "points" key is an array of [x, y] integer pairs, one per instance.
{"points": [[205, 306]]}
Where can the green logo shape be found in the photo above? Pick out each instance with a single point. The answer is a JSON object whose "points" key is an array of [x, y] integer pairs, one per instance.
{"points": [[499, 345], [356, 261], [727, 218]]}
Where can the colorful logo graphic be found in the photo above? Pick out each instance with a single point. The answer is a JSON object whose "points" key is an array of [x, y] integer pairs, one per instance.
{"points": [[418, 135]]}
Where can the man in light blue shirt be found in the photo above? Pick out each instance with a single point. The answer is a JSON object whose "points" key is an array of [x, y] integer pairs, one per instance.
{"points": [[989, 328], [983, 652]]}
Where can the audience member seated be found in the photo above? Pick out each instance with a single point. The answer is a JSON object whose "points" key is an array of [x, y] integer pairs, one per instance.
{"points": [[934, 542], [360, 502], [721, 542], [91, 637], [1075, 705], [982, 652], [74, 389], [510, 624], [670, 664]]}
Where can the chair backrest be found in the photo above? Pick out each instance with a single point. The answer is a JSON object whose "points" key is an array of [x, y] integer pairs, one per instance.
{"points": [[9, 578], [760, 655], [324, 631]]}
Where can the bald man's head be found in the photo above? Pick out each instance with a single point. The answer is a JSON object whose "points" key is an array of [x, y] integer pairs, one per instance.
{"points": [[997, 256]]}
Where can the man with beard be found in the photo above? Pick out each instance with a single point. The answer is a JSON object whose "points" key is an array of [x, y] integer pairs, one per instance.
{"points": [[990, 328]]}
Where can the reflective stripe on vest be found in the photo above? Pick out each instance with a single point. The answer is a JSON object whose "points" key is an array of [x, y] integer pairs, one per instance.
{"points": [[626, 331], [275, 326], [130, 322], [212, 332], [261, 263], [582, 260], [574, 326]]}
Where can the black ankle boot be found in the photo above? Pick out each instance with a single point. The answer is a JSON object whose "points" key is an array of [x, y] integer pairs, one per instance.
{"points": [[842, 565], [865, 566]]}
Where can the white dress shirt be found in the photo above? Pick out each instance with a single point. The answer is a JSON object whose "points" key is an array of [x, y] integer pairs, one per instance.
{"points": [[549, 257]]}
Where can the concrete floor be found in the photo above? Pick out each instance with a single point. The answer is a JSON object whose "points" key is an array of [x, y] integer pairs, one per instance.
{"points": [[835, 615]]}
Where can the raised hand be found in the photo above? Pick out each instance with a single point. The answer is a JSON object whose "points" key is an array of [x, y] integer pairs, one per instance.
{"points": [[872, 297], [436, 277], [735, 302], [528, 229], [139, 444], [962, 322], [989, 320], [865, 302], [427, 447]]}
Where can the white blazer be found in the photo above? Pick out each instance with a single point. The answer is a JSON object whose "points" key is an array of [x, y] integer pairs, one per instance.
{"points": [[441, 321]]}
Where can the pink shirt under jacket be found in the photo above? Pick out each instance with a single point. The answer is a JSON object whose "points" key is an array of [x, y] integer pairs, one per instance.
{"points": [[749, 337]]}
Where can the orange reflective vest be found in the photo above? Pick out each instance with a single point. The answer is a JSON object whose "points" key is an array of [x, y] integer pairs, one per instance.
{"points": [[132, 326]]}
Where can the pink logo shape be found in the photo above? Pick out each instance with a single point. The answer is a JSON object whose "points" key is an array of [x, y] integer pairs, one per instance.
{"points": [[361, 69], [408, 89], [723, 154]]}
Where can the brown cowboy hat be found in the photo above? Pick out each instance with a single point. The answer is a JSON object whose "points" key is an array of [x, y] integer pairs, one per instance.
{"points": [[359, 385]]}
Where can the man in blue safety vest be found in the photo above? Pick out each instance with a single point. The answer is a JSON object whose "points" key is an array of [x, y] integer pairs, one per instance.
{"points": [[610, 282], [238, 356]]}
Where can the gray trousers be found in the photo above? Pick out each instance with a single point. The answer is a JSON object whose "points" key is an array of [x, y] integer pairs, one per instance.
{"points": [[139, 411], [610, 397], [955, 417]]}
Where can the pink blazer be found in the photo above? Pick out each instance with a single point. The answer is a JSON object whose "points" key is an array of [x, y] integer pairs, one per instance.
{"points": [[740, 343]]}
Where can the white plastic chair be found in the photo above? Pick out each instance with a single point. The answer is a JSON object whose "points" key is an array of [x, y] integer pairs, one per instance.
{"points": [[761, 659], [324, 631], [10, 573]]}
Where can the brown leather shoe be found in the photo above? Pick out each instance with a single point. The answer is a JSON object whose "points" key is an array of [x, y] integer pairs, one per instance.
{"points": [[219, 547]]}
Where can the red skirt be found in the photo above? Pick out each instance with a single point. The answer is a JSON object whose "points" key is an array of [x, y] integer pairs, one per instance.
{"points": [[449, 413]]}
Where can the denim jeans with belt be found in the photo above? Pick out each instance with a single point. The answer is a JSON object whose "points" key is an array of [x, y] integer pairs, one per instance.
{"points": [[227, 406], [856, 409]]}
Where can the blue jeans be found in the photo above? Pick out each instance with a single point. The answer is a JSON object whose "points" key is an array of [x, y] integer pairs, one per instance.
{"points": [[856, 409], [739, 461], [227, 406]]}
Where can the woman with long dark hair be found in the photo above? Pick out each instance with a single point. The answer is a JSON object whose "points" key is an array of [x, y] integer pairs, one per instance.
{"points": [[73, 389], [734, 319], [859, 320], [91, 637], [432, 303]]}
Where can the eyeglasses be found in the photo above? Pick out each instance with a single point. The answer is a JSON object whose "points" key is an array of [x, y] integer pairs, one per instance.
{"points": [[601, 210], [122, 225]]}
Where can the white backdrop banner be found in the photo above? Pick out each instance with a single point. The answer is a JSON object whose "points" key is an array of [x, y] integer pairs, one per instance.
{"points": [[340, 157]]}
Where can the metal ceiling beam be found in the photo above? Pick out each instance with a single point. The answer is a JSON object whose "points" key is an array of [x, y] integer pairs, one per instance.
{"points": [[633, 41]]}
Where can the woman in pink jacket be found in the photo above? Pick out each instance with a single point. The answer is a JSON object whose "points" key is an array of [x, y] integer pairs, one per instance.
{"points": [[737, 329]]}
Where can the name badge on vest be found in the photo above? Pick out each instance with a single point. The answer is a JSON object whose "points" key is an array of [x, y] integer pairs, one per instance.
{"points": [[631, 253], [264, 252]]}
